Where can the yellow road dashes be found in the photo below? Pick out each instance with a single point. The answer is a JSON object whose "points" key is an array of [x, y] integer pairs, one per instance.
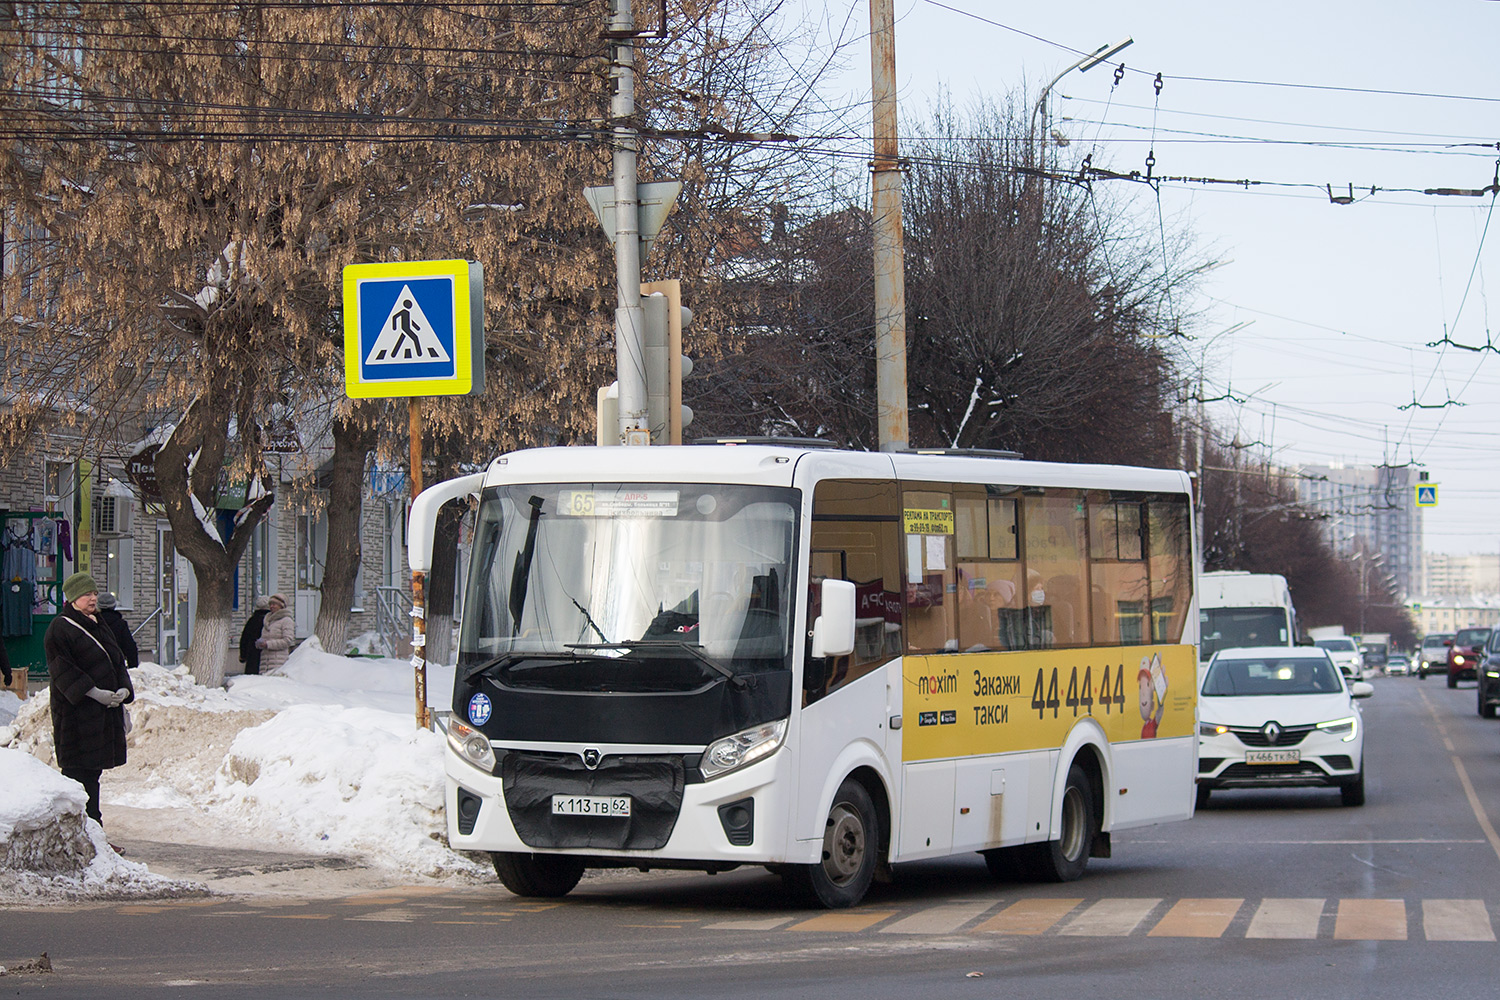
{"points": [[845, 921], [1286, 919], [1029, 916], [1197, 918], [1370, 920]]}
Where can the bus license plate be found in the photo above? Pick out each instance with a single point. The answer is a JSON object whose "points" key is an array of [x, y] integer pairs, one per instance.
{"points": [[1273, 756], [591, 805]]}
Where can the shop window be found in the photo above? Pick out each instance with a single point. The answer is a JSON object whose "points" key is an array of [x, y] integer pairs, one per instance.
{"points": [[856, 537]]}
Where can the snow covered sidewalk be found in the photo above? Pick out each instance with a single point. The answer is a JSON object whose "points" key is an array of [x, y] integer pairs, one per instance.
{"points": [[321, 760]]}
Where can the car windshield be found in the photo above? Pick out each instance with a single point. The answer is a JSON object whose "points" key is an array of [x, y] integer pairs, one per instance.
{"points": [[1235, 628], [629, 587], [1337, 645], [1435, 641], [1471, 637], [1237, 678]]}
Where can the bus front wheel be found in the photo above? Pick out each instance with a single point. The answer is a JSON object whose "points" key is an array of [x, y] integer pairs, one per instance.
{"points": [[1064, 859], [538, 875], [851, 841]]}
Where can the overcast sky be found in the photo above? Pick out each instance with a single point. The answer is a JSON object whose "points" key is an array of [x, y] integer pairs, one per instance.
{"points": [[1341, 301]]}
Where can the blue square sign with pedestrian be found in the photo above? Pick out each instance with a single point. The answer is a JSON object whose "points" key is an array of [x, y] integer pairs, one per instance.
{"points": [[409, 329]]}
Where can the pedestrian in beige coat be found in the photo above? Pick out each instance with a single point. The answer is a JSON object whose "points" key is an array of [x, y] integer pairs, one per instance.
{"points": [[277, 637]]}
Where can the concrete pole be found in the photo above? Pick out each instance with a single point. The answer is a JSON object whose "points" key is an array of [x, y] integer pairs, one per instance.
{"points": [[890, 276], [630, 352]]}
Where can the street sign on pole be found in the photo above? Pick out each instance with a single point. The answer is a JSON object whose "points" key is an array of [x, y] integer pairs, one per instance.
{"points": [[655, 200], [1427, 494], [414, 328]]}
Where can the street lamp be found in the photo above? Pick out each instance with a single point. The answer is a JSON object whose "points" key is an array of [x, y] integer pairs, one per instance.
{"points": [[1083, 65]]}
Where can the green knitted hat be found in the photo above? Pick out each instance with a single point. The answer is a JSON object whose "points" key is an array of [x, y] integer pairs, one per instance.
{"points": [[77, 585]]}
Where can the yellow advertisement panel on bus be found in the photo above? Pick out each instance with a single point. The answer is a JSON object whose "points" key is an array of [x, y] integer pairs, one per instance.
{"points": [[957, 705]]}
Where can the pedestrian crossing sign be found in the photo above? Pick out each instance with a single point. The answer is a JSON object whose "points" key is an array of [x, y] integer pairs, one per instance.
{"points": [[414, 328], [1427, 495]]}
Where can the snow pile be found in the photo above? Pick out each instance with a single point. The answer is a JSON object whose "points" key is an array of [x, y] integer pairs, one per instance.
{"points": [[10, 704], [323, 757], [49, 850]]}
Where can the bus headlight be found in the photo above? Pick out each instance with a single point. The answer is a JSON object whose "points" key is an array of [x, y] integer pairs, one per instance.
{"points": [[472, 745], [1340, 727], [734, 752]]}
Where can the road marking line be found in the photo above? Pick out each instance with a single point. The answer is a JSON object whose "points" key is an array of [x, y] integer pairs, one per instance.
{"points": [[1110, 918], [1199, 918], [1029, 916], [1370, 920], [845, 922], [299, 916], [1474, 804], [394, 915], [1456, 920], [939, 919], [1286, 919], [750, 924]]}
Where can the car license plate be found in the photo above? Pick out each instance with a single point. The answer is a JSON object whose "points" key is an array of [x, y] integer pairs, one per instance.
{"points": [[591, 805], [1272, 757]]}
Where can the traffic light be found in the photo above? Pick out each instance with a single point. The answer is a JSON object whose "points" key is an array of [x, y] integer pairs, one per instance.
{"points": [[666, 366]]}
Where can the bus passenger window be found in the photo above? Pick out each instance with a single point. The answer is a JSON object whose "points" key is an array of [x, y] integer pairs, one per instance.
{"points": [[1118, 572], [1057, 563], [1169, 528], [928, 526]]}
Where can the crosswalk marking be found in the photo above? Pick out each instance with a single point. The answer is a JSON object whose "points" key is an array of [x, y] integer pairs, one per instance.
{"points": [[1207, 918], [1456, 920], [1370, 920], [750, 924], [1110, 918], [939, 919], [856, 920], [1286, 919], [1029, 916]]}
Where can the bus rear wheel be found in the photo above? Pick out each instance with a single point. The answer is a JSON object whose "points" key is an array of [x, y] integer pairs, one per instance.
{"points": [[538, 875], [851, 843], [1064, 859]]}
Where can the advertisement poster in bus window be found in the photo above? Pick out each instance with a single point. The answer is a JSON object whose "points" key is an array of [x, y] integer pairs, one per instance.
{"points": [[983, 703]]}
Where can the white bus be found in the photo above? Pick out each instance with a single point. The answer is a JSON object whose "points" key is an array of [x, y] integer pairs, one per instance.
{"points": [[819, 661]]}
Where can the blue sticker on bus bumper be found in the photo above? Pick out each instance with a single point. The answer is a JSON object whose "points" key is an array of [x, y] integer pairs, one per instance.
{"points": [[480, 709]]}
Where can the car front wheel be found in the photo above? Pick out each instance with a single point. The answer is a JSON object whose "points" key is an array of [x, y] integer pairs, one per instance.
{"points": [[1353, 793]]}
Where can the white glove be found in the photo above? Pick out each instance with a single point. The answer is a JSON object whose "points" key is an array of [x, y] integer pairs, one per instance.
{"points": [[103, 697], [120, 697]]}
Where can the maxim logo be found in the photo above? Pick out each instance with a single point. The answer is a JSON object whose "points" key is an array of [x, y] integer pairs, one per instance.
{"points": [[938, 684]]}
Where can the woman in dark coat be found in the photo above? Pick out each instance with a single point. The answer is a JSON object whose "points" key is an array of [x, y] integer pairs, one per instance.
{"points": [[89, 685]]}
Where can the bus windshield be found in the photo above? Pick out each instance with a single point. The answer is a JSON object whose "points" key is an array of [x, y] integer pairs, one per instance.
{"points": [[629, 587], [1237, 628]]}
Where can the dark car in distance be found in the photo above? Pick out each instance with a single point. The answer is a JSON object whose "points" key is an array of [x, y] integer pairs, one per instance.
{"points": [[1488, 676], [1464, 653]]}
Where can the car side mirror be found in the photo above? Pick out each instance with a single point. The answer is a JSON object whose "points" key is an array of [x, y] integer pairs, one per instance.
{"points": [[1361, 689], [1447, 642], [833, 632]]}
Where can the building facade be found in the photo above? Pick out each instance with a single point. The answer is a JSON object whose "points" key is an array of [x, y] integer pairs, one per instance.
{"points": [[1448, 616], [1462, 576], [1369, 509]]}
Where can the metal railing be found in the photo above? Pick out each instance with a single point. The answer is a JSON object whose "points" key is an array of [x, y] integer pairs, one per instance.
{"points": [[393, 617]]}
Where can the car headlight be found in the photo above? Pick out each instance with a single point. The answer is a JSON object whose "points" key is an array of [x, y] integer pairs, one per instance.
{"points": [[472, 745], [734, 752], [1211, 729], [1492, 673], [1341, 727], [1457, 660]]}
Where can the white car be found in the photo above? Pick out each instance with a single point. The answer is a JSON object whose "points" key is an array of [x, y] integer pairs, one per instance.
{"points": [[1345, 654], [1276, 716]]}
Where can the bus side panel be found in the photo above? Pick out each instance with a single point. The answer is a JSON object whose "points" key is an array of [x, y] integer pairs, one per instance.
{"points": [[836, 734], [1158, 779]]}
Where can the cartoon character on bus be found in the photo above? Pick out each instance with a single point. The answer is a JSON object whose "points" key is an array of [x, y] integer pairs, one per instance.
{"points": [[1152, 678]]}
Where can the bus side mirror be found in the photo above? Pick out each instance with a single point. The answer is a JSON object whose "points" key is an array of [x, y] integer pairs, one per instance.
{"points": [[833, 632], [421, 523]]}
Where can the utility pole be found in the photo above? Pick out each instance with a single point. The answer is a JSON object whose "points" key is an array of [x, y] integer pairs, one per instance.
{"points": [[630, 353], [890, 276]]}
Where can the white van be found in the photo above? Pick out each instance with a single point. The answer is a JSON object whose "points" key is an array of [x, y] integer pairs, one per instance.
{"points": [[1238, 609]]}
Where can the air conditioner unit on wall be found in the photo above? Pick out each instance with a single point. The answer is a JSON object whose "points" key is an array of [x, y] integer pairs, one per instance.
{"points": [[112, 515]]}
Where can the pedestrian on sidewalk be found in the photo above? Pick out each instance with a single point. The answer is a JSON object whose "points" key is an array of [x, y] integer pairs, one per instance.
{"points": [[90, 686], [254, 625], [120, 628], [277, 637]]}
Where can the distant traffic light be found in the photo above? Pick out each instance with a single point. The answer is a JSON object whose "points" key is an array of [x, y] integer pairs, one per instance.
{"points": [[666, 366]]}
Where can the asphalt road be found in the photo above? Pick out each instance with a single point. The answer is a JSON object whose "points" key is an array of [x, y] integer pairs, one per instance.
{"points": [[1262, 894]]}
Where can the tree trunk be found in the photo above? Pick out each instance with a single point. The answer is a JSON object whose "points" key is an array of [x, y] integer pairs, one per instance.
{"points": [[187, 470], [440, 584], [352, 440]]}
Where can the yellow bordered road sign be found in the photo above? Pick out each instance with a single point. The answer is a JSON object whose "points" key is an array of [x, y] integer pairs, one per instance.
{"points": [[414, 328], [1427, 495]]}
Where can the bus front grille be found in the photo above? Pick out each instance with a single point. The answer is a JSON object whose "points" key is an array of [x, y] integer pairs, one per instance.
{"points": [[653, 783]]}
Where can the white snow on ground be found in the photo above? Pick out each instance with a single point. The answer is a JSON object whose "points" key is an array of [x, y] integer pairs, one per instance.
{"points": [[323, 757]]}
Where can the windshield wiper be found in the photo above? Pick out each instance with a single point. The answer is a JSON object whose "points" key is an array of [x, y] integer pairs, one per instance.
{"points": [[515, 656], [632, 644]]}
